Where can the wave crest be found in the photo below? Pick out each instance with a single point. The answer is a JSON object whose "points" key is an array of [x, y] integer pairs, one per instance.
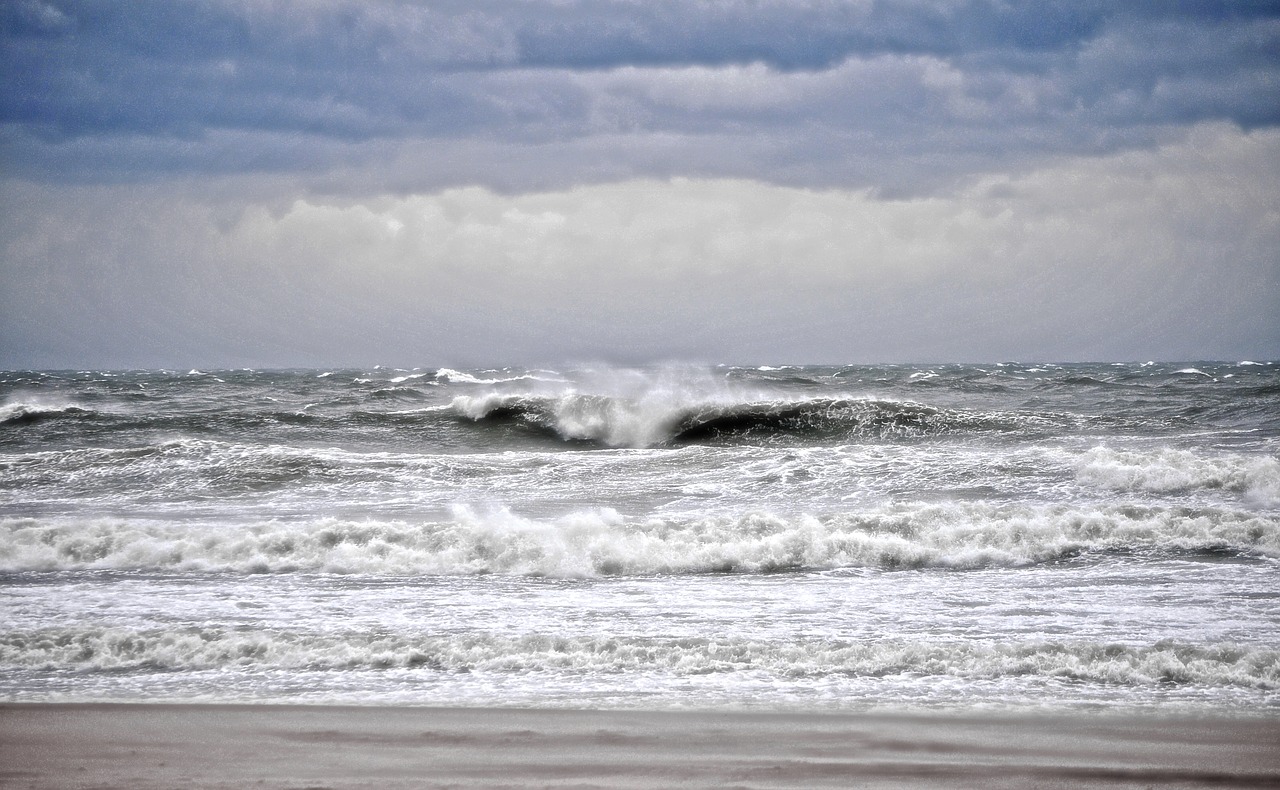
{"points": [[33, 412], [90, 649], [597, 543], [1170, 471], [646, 422]]}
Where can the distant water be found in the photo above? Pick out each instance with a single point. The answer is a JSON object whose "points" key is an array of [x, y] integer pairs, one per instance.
{"points": [[1004, 536]]}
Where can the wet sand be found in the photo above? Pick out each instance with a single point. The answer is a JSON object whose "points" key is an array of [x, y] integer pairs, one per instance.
{"points": [[163, 746]]}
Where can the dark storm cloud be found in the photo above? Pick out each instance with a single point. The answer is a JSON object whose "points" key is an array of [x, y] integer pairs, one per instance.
{"points": [[821, 93]]}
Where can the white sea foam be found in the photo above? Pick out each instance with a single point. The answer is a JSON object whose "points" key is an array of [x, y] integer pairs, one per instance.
{"points": [[1168, 470], [459, 377], [602, 542], [115, 649]]}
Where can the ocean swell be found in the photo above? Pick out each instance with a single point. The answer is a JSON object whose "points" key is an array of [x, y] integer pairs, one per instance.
{"points": [[624, 422]]}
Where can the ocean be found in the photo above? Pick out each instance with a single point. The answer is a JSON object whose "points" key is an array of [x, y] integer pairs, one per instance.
{"points": [[1003, 536]]}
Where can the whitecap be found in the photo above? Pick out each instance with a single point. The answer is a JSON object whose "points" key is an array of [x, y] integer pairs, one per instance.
{"points": [[30, 411], [84, 648], [603, 542], [1169, 471], [448, 375]]}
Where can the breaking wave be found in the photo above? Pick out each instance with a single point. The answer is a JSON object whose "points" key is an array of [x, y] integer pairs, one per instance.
{"points": [[26, 413], [597, 543], [451, 376], [1172, 471], [89, 649], [646, 422]]}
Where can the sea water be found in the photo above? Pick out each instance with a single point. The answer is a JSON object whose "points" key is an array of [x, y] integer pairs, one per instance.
{"points": [[1003, 536]]}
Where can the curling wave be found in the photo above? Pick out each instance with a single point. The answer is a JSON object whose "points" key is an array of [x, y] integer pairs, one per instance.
{"points": [[26, 413], [646, 422]]}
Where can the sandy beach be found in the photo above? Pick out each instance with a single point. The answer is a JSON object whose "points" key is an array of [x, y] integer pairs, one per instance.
{"points": [[275, 746]]}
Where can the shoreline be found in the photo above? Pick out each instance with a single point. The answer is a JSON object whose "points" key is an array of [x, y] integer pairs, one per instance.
{"points": [[160, 744]]}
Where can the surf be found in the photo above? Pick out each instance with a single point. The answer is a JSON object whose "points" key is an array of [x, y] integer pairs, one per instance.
{"points": [[612, 421]]}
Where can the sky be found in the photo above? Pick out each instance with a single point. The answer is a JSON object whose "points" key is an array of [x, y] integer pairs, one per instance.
{"points": [[266, 183]]}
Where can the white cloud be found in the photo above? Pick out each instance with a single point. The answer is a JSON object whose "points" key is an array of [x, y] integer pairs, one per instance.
{"points": [[1172, 252]]}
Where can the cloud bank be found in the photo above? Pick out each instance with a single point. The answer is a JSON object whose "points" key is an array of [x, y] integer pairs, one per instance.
{"points": [[280, 183], [1171, 251]]}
